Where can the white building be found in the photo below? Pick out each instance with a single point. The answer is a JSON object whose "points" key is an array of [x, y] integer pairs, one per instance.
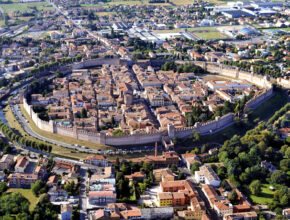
{"points": [[228, 85], [97, 160], [207, 175]]}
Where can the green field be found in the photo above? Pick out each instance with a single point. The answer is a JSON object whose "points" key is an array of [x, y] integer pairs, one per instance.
{"points": [[22, 7], [267, 109], [210, 35], [33, 200], [265, 197]]}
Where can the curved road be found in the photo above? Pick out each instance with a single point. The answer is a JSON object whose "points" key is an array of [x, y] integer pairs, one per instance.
{"points": [[17, 112]]}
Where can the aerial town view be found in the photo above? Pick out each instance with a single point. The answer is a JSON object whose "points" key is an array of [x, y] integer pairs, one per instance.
{"points": [[144, 109]]}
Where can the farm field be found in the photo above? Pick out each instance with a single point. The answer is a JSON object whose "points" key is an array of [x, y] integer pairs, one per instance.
{"points": [[100, 14], [22, 7]]}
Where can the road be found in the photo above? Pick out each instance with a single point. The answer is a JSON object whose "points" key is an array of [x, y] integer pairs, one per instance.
{"points": [[212, 214], [90, 33], [22, 120], [83, 196]]}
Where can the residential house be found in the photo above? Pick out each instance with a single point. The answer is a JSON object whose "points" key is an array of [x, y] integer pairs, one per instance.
{"points": [[66, 211], [207, 175], [20, 180], [6, 161], [101, 198], [97, 160], [241, 216], [21, 164]]}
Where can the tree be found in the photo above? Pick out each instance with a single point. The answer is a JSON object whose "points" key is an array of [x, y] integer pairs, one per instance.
{"points": [[278, 177], [143, 187], [117, 164], [204, 148], [194, 167], [196, 136], [285, 164], [3, 188], [173, 168], [13, 203], [37, 187], [255, 187], [84, 113], [181, 176], [287, 153], [175, 140], [284, 200], [113, 121], [22, 216], [89, 171], [233, 197]]}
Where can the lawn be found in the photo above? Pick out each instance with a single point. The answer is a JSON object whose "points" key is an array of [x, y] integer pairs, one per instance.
{"points": [[265, 197], [267, 109], [28, 195], [57, 150], [61, 138]]}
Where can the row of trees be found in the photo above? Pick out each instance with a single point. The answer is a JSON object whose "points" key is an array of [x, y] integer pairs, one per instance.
{"points": [[183, 68], [13, 136], [52, 65], [261, 69], [4, 147], [279, 113]]}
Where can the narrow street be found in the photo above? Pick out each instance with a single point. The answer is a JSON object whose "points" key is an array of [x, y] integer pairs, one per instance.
{"points": [[83, 197], [212, 214]]}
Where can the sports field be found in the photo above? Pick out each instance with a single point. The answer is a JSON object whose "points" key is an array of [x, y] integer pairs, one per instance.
{"points": [[205, 33]]}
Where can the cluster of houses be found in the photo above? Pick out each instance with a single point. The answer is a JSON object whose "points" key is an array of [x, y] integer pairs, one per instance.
{"points": [[140, 100], [169, 197]]}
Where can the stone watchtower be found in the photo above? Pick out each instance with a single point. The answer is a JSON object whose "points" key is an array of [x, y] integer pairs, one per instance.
{"points": [[171, 131]]}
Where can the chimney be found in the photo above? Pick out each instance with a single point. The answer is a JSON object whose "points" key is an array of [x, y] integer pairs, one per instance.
{"points": [[156, 149]]}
